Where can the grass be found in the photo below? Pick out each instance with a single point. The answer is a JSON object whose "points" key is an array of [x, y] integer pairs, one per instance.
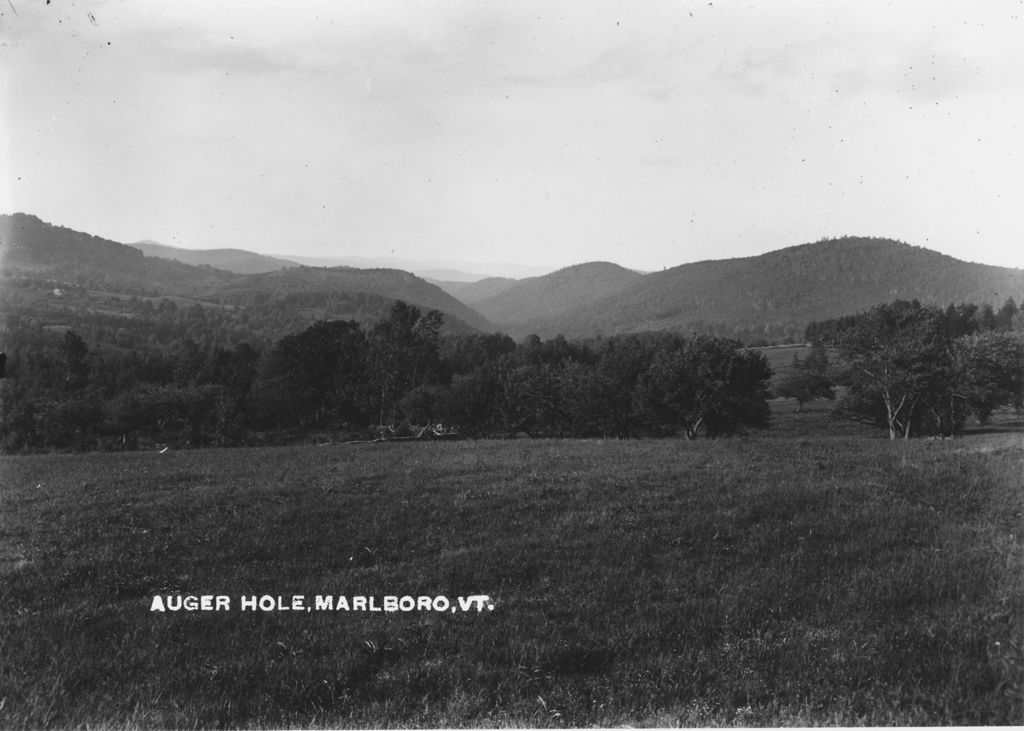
{"points": [[780, 357], [811, 579]]}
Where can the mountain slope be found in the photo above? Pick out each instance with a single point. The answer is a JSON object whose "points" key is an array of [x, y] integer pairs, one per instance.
{"points": [[48, 257], [393, 284], [32, 247], [555, 293], [462, 271], [786, 289], [231, 260], [473, 292]]}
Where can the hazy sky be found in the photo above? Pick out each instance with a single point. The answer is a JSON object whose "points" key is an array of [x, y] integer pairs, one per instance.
{"points": [[549, 132]]}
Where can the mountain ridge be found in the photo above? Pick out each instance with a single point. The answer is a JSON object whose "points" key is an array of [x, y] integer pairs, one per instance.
{"points": [[238, 261], [473, 292], [770, 296], [40, 252], [303, 279], [429, 268], [782, 290], [576, 285]]}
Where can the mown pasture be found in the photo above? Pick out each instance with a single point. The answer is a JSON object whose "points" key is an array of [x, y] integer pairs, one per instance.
{"points": [[801, 575]]}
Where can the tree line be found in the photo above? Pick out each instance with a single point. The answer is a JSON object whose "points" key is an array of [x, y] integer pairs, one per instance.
{"points": [[339, 380], [916, 370], [904, 367]]}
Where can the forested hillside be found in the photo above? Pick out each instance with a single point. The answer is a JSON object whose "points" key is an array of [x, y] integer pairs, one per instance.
{"points": [[538, 299], [315, 283], [772, 297], [34, 249], [55, 279], [231, 260]]}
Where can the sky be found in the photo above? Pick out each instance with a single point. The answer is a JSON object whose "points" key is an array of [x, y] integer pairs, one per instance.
{"points": [[546, 133]]}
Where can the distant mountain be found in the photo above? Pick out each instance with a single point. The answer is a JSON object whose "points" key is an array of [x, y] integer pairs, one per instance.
{"points": [[772, 296], [449, 275], [455, 271], [540, 298], [783, 290], [46, 257], [231, 260], [32, 247], [357, 279], [311, 282], [473, 292]]}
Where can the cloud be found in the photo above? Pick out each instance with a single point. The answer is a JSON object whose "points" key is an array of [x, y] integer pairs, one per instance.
{"points": [[543, 122], [852, 63]]}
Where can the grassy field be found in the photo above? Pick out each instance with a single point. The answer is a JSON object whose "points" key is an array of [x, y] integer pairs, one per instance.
{"points": [[798, 576], [780, 358]]}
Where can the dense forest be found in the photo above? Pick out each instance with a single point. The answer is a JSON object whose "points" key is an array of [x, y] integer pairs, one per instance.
{"points": [[404, 376], [905, 367]]}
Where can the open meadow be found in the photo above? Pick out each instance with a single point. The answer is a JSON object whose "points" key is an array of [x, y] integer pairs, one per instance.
{"points": [[801, 575]]}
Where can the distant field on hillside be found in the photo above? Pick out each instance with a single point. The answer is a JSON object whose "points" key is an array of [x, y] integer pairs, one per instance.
{"points": [[795, 576], [780, 357]]}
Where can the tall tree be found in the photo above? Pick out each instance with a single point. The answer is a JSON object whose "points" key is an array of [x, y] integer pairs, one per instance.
{"points": [[706, 383], [891, 355], [74, 368], [1006, 314], [403, 354], [314, 377], [990, 372]]}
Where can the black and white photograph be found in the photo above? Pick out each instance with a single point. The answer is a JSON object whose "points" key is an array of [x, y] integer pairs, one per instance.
{"points": [[525, 364]]}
